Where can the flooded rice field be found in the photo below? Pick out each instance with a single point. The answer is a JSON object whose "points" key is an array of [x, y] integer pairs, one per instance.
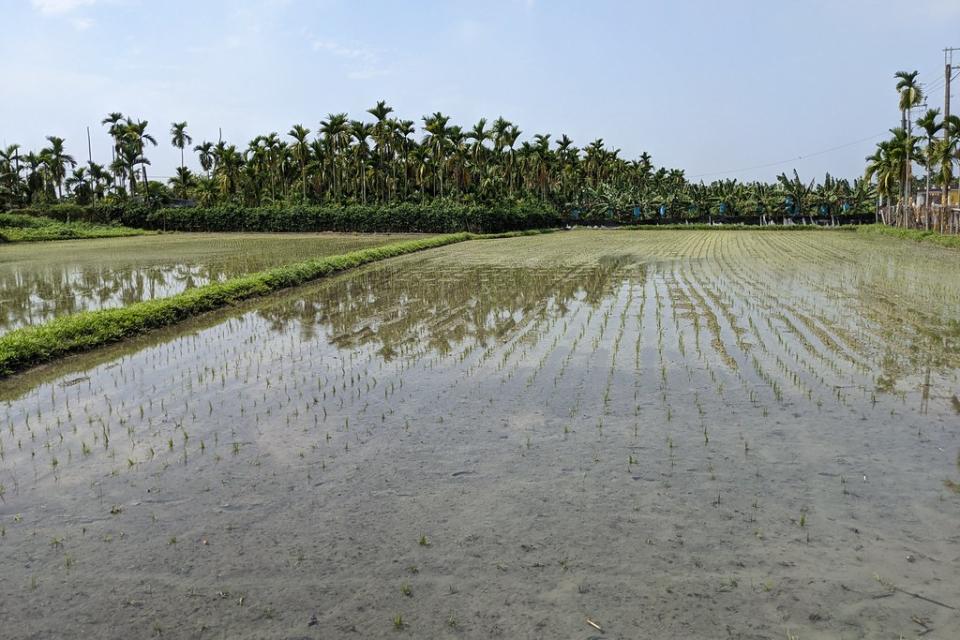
{"points": [[656, 434], [39, 281]]}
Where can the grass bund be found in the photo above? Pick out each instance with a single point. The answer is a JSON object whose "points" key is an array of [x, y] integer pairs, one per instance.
{"points": [[29, 346], [917, 235]]}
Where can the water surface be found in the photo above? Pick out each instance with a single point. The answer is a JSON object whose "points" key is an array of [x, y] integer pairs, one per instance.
{"points": [[673, 434], [43, 280]]}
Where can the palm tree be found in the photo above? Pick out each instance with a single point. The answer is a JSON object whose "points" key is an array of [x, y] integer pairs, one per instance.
{"points": [[205, 153], [301, 151], [360, 131], [179, 138], [943, 154], [382, 130], [335, 135], [135, 134], [403, 129], [885, 165], [479, 134], [79, 184], [928, 122], [910, 96], [10, 171], [115, 120], [56, 160], [99, 179], [183, 181], [436, 140]]}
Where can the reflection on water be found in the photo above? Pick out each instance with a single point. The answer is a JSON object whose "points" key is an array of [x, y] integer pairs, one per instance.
{"points": [[41, 281], [572, 423]]}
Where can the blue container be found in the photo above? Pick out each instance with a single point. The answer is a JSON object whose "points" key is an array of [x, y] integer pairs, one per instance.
{"points": [[636, 213]]}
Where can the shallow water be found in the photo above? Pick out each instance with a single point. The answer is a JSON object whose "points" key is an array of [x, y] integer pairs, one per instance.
{"points": [[39, 281], [673, 434]]}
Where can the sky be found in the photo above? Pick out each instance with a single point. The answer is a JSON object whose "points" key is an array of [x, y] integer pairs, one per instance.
{"points": [[722, 89]]}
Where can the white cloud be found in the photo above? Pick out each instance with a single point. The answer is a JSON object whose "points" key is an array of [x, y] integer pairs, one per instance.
{"points": [[81, 24], [341, 51], [363, 63], [59, 7]]}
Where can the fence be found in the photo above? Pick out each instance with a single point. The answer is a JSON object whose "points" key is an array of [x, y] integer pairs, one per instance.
{"points": [[943, 219]]}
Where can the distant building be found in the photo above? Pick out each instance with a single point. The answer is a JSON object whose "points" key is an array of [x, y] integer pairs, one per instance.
{"points": [[936, 196]]}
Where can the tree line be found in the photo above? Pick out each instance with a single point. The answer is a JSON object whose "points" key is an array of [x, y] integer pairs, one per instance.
{"points": [[386, 161], [936, 147]]}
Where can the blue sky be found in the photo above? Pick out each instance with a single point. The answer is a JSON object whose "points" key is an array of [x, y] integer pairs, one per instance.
{"points": [[710, 87]]}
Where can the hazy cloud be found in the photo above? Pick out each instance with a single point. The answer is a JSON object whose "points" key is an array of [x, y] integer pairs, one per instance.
{"points": [[60, 7]]}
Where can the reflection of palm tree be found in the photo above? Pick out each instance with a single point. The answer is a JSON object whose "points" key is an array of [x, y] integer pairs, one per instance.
{"points": [[375, 308]]}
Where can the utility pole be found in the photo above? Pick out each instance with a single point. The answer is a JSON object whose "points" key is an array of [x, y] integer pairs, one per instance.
{"points": [[948, 72]]}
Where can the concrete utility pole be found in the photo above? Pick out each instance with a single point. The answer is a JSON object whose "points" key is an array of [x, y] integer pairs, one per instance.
{"points": [[948, 72]]}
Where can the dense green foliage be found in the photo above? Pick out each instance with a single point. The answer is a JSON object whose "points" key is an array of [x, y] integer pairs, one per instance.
{"points": [[28, 346], [27, 228], [455, 173]]}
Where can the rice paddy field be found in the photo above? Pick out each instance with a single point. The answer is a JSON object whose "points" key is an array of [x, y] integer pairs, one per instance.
{"points": [[591, 434], [39, 282]]}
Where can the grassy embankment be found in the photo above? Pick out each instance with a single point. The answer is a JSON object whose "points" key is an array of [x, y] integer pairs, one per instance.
{"points": [[702, 226], [917, 235], [28, 228]]}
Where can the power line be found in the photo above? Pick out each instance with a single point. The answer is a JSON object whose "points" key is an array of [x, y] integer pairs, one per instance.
{"points": [[794, 159], [934, 86]]}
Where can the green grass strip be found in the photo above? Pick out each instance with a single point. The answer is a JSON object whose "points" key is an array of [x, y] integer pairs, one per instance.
{"points": [[702, 226], [29, 346], [917, 235]]}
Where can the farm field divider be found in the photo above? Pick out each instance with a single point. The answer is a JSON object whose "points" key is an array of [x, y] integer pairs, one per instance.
{"points": [[917, 235], [29, 346]]}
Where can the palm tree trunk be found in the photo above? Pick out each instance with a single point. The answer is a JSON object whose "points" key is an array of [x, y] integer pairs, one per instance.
{"points": [[926, 196]]}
